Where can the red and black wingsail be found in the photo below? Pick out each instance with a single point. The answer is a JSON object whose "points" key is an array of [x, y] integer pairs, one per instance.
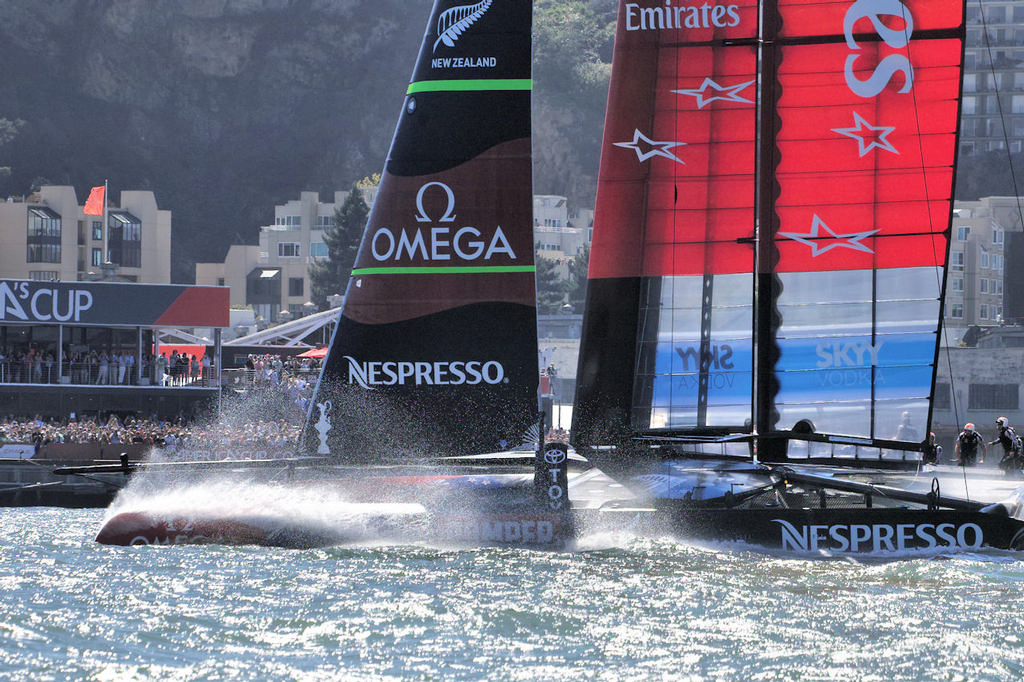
{"points": [[771, 223], [435, 351]]}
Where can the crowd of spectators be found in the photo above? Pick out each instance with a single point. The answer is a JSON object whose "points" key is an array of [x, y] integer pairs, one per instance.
{"points": [[174, 435], [102, 368], [264, 415], [169, 368]]}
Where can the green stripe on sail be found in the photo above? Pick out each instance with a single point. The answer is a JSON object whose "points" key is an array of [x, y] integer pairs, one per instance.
{"points": [[475, 84], [428, 270]]}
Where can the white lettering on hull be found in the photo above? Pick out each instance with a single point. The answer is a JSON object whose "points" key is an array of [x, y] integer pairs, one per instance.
{"points": [[879, 537]]}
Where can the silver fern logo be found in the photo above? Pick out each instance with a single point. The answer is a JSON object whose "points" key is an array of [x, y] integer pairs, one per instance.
{"points": [[454, 21]]}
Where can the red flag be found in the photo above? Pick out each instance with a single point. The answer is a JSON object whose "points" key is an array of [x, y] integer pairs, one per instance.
{"points": [[94, 204]]}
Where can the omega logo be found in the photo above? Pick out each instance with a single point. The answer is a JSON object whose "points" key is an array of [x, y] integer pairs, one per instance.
{"points": [[439, 243], [448, 216]]}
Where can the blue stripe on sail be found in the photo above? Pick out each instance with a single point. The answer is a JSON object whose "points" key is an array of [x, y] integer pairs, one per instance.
{"points": [[846, 384], [675, 384], [852, 352]]}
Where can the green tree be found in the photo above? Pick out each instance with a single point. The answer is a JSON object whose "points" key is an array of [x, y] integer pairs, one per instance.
{"points": [[572, 48], [330, 275], [577, 284], [550, 287], [8, 131]]}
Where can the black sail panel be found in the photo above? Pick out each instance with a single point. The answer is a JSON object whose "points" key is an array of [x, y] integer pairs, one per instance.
{"points": [[435, 351]]}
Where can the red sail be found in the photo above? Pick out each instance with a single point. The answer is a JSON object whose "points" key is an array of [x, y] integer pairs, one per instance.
{"points": [[867, 132], [676, 185], [814, 137]]}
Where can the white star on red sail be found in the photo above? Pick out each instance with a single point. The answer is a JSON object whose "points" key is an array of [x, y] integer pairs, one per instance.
{"points": [[868, 136], [820, 243], [652, 148], [729, 93]]}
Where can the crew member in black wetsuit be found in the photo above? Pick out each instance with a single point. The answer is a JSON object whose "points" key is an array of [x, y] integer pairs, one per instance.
{"points": [[1010, 463], [967, 444], [932, 452]]}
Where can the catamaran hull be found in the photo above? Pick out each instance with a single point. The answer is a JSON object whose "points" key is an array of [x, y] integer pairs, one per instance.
{"points": [[533, 528], [874, 531], [411, 506], [184, 527]]}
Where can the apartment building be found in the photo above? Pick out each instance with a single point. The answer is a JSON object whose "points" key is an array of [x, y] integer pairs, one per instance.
{"points": [[992, 116], [273, 277], [558, 235], [47, 237]]}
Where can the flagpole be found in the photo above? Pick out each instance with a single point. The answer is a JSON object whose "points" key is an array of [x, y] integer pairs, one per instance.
{"points": [[106, 226]]}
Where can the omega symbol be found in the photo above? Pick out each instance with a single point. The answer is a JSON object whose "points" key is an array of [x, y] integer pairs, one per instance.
{"points": [[448, 216]]}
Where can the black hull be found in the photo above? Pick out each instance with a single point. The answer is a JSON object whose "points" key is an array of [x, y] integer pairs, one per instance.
{"points": [[815, 532], [491, 504]]}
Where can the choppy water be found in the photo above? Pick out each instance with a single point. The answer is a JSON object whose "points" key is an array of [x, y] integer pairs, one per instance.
{"points": [[617, 609]]}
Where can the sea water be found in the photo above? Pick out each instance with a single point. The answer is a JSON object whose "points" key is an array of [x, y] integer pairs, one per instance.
{"points": [[617, 608]]}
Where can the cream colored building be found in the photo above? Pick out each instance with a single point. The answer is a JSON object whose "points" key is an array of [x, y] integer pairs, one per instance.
{"points": [[47, 237], [558, 235], [976, 275], [273, 276]]}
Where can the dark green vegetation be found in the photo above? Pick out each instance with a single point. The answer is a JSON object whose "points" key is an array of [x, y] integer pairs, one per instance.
{"points": [[226, 109], [330, 275]]}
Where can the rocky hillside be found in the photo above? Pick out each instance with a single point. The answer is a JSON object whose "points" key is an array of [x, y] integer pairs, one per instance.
{"points": [[225, 108]]}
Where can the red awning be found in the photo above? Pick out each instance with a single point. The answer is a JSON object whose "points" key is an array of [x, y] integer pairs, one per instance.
{"points": [[314, 353]]}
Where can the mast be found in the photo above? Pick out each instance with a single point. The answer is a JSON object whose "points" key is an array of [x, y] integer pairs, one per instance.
{"points": [[766, 352]]}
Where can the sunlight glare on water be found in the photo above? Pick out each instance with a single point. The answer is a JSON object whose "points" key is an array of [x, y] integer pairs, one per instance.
{"points": [[621, 608]]}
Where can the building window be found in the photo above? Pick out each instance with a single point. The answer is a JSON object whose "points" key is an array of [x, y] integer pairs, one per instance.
{"points": [[992, 397], [97, 257], [43, 242], [97, 230], [124, 239], [43, 275], [957, 284], [288, 250], [997, 236], [295, 286], [983, 311], [956, 311], [984, 258], [318, 250], [942, 397], [43, 253], [956, 261], [324, 222], [983, 286], [220, 281], [968, 105], [962, 233]]}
